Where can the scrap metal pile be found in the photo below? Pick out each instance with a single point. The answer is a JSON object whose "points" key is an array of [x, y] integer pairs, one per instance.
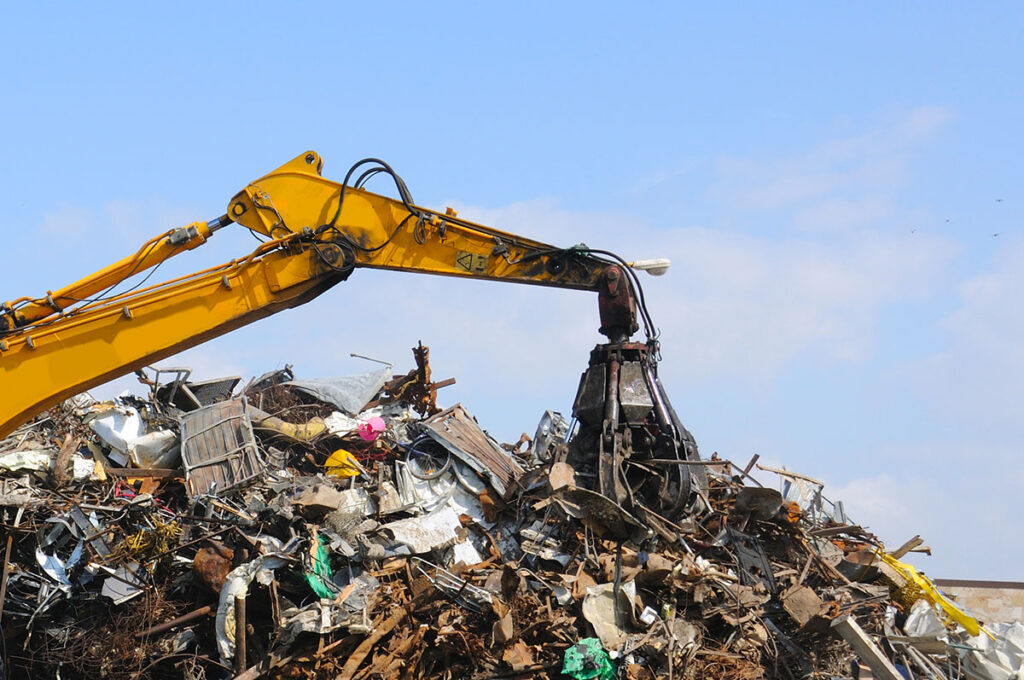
{"points": [[350, 528]]}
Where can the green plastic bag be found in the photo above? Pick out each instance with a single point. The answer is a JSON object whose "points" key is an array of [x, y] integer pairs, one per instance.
{"points": [[587, 659], [319, 578]]}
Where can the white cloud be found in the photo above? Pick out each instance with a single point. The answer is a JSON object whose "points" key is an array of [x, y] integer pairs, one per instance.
{"points": [[992, 314], [842, 214], [979, 377], [740, 305], [67, 221], [116, 223], [82, 239], [861, 169], [135, 221], [749, 305]]}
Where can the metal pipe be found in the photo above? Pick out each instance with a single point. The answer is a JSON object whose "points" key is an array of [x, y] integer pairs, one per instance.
{"points": [[7, 561], [185, 618], [239, 635]]}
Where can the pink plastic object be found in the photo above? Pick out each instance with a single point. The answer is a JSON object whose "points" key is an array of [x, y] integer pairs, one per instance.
{"points": [[371, 428]]}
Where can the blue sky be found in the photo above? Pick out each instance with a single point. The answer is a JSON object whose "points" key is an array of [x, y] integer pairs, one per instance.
{"points": [[828, 179]]}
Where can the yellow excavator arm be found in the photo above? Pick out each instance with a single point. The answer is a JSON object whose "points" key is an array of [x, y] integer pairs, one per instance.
{"points": [[317, 232]]}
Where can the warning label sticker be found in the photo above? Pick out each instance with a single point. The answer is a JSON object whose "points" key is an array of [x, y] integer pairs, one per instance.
{"points": [[471, 262]]}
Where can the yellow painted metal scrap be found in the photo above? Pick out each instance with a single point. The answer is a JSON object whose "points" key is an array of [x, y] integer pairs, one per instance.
{"points": [[920, 586]]}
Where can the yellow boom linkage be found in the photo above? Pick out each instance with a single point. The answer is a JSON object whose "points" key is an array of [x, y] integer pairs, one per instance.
{"points": [[318, 231]]}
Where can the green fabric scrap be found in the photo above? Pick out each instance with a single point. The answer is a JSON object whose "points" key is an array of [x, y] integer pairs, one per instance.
{"points": [[587, 659]]}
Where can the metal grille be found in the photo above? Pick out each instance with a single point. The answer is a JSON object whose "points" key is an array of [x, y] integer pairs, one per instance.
{"points": [[218, 448]]}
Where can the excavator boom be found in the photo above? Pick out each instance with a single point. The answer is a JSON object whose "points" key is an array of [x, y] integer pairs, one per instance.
{"points": [[389, 233], [317, 232]]}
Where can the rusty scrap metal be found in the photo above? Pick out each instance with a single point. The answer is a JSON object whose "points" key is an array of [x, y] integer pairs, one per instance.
{"points": [[459, 432], [743, 582], [417, 388]]}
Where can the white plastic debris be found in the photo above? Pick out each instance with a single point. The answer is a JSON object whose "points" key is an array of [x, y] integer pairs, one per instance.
{"points": [[82, 467], [340, 424], [649, 616], [466, 553], [999, 657], [924, 622]]}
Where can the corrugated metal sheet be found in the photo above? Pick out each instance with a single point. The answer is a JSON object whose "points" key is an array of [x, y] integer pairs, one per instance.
{"points": [[218, 449], [458, 432]]}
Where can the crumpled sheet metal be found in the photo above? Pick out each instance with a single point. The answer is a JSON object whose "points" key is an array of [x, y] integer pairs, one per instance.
{"points": [[350, 393], [38, 460], [20, 494], [608, 616], [261, 570], [321, 617], [42, 460], [123, 584], [124, 430], [438, 529], [420, 496], [460, 434], [319, 499], [56, 568]]}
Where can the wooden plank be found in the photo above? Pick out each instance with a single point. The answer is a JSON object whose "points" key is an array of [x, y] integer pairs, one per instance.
{"points": [[867, 650]]}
